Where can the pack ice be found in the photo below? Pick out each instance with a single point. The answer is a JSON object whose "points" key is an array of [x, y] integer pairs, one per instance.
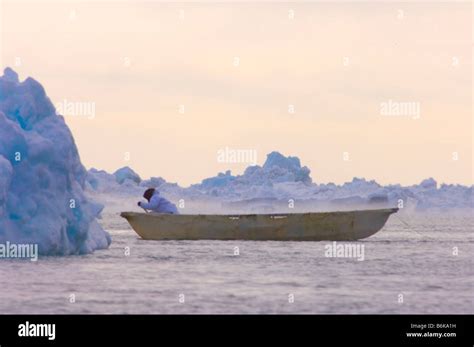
{"points": [[271, 188], [42, 179]]}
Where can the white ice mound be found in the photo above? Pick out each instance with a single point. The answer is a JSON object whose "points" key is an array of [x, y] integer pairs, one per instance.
{"points": [[265, 181], [428, 183], [278, 168], [42, 179], [126, 173]]}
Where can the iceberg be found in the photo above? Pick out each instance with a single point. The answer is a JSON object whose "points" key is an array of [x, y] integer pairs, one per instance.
{"points": [[279, 176], [284, 169], [42, 180], [428, 183], [126, 173]]}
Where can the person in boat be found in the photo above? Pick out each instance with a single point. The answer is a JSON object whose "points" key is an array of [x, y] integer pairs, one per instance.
{"points": [[157, 203]]}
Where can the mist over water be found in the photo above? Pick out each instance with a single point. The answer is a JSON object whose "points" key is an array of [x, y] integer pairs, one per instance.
{"points": [[412, 255]]}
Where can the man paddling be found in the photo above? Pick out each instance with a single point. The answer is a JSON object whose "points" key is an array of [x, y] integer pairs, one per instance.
{"points": [[157, 203]]}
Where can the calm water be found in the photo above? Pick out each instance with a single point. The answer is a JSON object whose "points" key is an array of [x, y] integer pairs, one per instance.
{"points": [[414, 258]]}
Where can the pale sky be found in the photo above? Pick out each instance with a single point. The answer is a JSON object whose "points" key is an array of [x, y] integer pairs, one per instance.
{"points": [[237, 67]]}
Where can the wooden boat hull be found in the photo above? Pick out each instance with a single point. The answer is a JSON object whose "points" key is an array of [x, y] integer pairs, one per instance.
{"points": [[331, 226]]}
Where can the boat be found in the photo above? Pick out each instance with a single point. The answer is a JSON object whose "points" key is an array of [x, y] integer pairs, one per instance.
{"points": [[314, 226]]}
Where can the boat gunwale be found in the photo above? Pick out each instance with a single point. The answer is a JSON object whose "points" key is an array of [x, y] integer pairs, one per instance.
{"points": [[126, 214]]}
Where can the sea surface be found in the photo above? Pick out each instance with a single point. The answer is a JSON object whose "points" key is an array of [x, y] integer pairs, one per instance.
{"points": [[418, 263]]}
